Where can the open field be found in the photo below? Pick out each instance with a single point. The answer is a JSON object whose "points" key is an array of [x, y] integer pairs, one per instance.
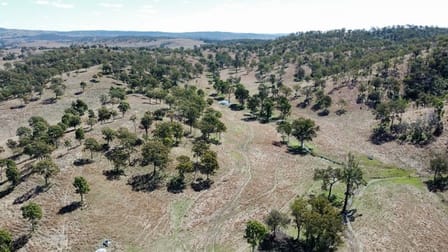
{"points": [[398, 212]]}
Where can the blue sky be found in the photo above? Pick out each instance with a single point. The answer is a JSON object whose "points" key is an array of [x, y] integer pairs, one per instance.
{"points": [[262, 16]]}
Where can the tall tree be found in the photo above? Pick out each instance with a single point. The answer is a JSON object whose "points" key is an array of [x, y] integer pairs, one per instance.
{"points": [[299, 210], [38, 149], [124, 107], [285, 129], [54, 133], [119, 157], [209, 162], [266, 109], [146, 122], [304, 130], [241, 94], [47, 168], [12, 173], [275, 220], [352, 177], [33, 213], [178, 131], [82, 187], [284, 107], [104, 114], [155, 152], [438, 165], [254, 233], [108, 134], [329, 177], [79, 135], [91, 145], [322, 225]]}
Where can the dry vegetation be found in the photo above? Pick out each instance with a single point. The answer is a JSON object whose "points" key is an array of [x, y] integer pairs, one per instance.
{"points": [[398, 214]]}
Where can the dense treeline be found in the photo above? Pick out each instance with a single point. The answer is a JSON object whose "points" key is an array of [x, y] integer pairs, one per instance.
{"points": [[147, 68]]}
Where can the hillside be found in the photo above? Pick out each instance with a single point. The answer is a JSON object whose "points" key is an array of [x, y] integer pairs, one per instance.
{"points": [[19, 38], [171, 167]]}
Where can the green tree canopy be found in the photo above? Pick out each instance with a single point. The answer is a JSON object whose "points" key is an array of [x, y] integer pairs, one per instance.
{"points": [[155, 152], [276, 220], [81, 186], [304, 130], [47, 168], [33, 213], [254, 233], [5, 241]]}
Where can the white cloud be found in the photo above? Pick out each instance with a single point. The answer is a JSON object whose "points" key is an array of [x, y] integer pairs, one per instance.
{"points": [[42, 2], [4, 4], [56, 4], [111, 5], [147, 10], [62, 5]]}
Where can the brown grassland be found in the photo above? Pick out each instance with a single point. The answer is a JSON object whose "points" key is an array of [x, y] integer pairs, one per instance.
{"points": [[397, 212]]}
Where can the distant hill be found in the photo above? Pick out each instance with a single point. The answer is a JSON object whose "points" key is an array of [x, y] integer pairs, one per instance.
{"points": [[14, 36]]}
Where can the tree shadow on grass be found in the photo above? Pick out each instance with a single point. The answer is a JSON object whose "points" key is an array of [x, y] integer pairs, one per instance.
{"points": [[3, 182], [6, 192], [32, 193], [298, 150], [27, 172], [146, 182], [113, 174], [49, 101], [439, 185], [82, 161], [20, 242], [201, 184], [280, 242], [69, 208], [18, 106]]}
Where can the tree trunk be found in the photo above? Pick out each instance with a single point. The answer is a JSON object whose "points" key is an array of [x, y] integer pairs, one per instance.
{"points": [[298, 230], [301, 143], [154, 171], [329, 191], [347, 194], [82, 198]]}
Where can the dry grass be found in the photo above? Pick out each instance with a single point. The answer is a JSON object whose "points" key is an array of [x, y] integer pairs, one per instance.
{"points": [[255, 177]]}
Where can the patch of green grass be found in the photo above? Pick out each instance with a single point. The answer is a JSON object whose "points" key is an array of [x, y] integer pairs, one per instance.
{"points": [[177, 211], [413, 181], [375, 169]]}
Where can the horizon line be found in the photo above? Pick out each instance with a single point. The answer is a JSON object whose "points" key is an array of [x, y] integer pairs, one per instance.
{"points": [[218, 31]]}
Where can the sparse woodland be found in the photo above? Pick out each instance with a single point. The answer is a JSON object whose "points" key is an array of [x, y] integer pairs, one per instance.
{"points": [[398, 75]]}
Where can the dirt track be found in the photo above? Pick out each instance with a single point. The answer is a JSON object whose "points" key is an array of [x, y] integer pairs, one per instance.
{"points": [[255, 177]]}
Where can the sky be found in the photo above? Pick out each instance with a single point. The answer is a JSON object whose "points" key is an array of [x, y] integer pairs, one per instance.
{"points": [[255, 16]]}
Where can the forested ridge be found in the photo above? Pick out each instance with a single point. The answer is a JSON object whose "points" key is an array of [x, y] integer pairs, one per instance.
{"points": [[185, 97]]}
